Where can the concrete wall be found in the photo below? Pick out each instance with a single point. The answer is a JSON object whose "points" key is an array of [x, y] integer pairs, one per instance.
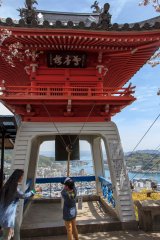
{"points": [[31, 135]]}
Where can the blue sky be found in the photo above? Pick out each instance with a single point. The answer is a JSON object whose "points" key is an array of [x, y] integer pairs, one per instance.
{"points": [[134, 120]]}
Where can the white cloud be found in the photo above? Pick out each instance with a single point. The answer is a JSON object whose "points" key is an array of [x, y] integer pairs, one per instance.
{"points": [[133, 109]]}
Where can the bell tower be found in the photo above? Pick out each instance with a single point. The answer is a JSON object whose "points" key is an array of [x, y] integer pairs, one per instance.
{"points": [[68, 78]]}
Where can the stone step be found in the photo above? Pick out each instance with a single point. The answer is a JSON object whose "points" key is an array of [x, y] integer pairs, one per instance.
{"points": [[115, 235], [126, 208], [90, 227], [125, 193], [125, 197]]}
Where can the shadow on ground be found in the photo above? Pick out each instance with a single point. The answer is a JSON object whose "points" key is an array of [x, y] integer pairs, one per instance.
{"points": [[117, 235]]}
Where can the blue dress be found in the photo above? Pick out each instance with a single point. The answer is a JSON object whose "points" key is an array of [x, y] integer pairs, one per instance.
{"points": [[8, 213]]}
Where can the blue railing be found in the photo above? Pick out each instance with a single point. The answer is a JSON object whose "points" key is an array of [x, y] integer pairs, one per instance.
{"points": [[105, 182], [61, 179], [83, 185], [28, 188], [28, 185], [106, 187]]}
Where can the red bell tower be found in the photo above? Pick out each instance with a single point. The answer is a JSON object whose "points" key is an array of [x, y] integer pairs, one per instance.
{"points": [[70, 69], [70, 88], [72, 65]]}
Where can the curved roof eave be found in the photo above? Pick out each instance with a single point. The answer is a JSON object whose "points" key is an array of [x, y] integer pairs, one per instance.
{"points": [[149, 24]]}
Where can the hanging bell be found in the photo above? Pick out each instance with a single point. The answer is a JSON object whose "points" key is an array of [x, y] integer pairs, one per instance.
{"points": [[61, 154]]}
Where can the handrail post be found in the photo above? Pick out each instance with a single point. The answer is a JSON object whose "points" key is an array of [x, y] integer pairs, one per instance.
{"points": [[89, 92], [50, 190]]}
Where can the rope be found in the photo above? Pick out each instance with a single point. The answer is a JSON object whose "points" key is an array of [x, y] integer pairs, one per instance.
{"points": [[84, 123], [69, 147], [69, 150], [63, 142]]}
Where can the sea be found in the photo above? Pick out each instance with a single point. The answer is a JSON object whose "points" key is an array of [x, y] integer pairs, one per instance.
{"points": [[89, 168], [132, 175]]}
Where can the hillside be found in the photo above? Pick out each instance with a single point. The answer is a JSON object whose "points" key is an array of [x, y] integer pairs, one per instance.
{"points": [[45, 161], [147, 159]]}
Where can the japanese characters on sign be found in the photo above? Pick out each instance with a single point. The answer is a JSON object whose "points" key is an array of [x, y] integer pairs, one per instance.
{"points": [[66, 60]]}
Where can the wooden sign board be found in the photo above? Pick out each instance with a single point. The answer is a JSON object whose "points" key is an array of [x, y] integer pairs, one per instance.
{"points": [[66, 59]]}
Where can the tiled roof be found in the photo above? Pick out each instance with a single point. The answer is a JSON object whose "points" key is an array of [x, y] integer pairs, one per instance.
{"points": [[150, 21], [62, 20], [52, 17]]}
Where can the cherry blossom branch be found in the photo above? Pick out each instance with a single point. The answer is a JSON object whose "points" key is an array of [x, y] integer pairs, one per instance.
{"points": [[155, 4], [154, 60], [15, 50], [5, 33]]}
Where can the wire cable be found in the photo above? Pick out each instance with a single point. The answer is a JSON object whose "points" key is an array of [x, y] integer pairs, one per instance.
{"points": [[65, 145], [151, 168], [145, 133], [63, 142], [157, 148], [84, 123], [143, 138]]}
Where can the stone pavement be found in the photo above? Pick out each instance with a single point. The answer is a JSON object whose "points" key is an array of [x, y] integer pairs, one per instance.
{"points": [[42, 216], [116, 235], [45, 215]]}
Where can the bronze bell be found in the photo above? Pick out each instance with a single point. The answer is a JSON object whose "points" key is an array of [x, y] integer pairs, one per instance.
{"points": [[61, 142]]}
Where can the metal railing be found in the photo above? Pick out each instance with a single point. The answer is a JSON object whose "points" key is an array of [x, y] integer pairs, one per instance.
{"points": [[86, 185], [52, 187], [107, 192], [28, 188]]}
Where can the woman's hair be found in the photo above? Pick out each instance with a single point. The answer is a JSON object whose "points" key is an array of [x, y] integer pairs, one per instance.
{"points": [[7, 193]]}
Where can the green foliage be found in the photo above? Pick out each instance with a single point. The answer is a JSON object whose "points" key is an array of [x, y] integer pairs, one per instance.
{"points": [[145, 159], [45, 161]]}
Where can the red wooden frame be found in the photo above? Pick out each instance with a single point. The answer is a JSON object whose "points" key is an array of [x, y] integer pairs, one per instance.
{"points": [[69, 94]]}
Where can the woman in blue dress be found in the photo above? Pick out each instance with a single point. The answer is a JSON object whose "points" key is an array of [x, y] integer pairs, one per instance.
{"points": [[9, 197]]}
